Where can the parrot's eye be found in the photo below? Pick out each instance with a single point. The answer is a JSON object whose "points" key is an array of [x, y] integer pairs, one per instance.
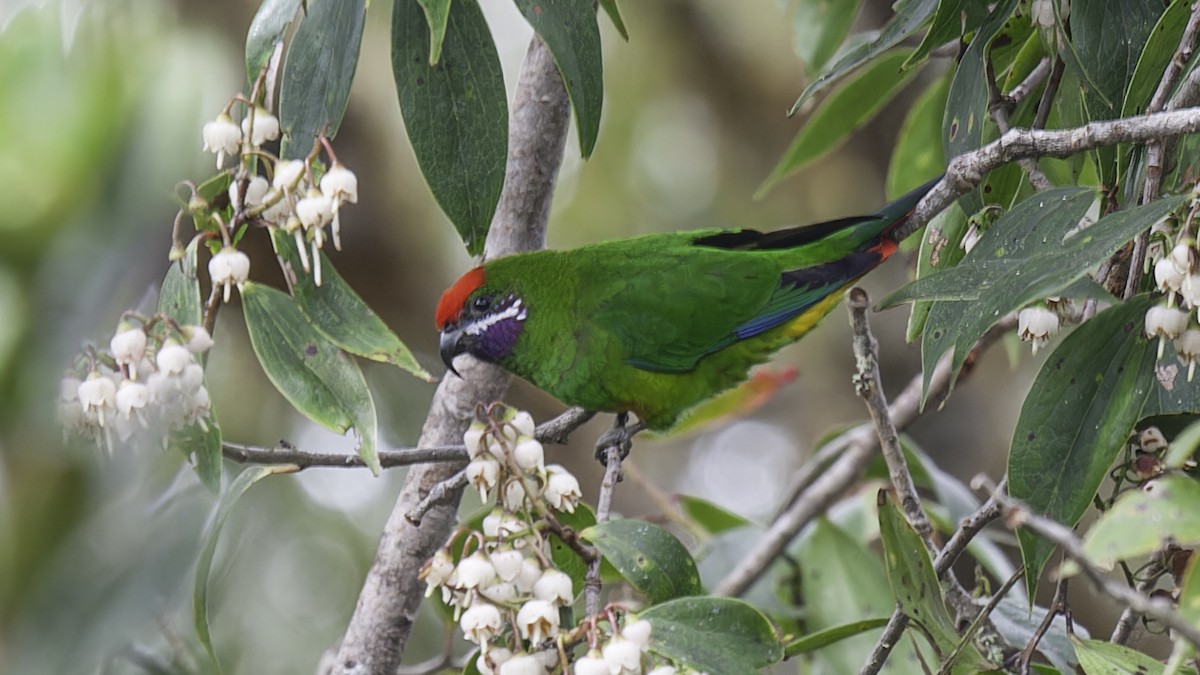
{"points": [[482, 303]]}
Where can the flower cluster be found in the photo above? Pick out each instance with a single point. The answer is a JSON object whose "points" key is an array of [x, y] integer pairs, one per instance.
{"points": [[500, 579], [298, 196], [1177, 275], [148, 383]]}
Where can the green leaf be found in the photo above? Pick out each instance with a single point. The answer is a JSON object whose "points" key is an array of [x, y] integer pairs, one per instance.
{"points": [[648, 557], [565, 558], [719, 636], [819, 26], [614, 15], [456, 114], [202, 440], [436, 14], [842, 112], [918, 156], [843, 583], [1183, 446], [966, 123], [1098, 657], [568, 27], [320, 66], [711, 518], [1075, 420], [316, 377], [941, 248], [266, 31], [824, 638], [1017, 623], [339, 314], [204, 562], [917, 590], [1142, 521], [910, 16], [953, 18], [179, 297]]}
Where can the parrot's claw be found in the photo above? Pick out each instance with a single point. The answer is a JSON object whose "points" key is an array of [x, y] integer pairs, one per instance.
{"points": [[619, 436]]}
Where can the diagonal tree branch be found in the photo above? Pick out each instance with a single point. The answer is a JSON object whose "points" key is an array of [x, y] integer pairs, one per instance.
{"points": [[382, 622]]}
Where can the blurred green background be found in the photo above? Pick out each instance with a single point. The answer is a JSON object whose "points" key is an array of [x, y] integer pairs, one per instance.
{"points": [[101, 105]]}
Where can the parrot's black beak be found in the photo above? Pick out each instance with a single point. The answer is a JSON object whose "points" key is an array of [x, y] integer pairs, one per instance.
{"points": [[450, 345]]}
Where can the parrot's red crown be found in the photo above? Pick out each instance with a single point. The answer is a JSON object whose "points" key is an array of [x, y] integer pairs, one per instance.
{"points": [[455, 298]]}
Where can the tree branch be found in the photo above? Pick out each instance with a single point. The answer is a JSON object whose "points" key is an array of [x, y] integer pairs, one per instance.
{"points": [[383, 619]]}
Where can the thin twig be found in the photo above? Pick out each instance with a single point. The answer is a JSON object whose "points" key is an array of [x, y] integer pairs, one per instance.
{"points": [[1001, 104], [612, 473], [981, 619], [1057, 606], [1016, 514], [444, 492], [1129, 618], [870, 389]]}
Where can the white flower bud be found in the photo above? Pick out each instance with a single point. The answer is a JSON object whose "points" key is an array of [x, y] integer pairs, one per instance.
{"points": [[623, 656], [555, 587], [1187, 347], [515, 497], [523, 664], [562, 489], [483, 474], [98, 396], [638, 633], [1166, 276], [198, 339], [436, 570], [489, 661], [1037, 325], [173, 358], [1183, 257], [229, 267], [256, 191], [663, 670], [473, 439], [191, 378], [502, 592], [1189, 288], [531, 571], [592, 664], [266, 126], [507, 563], [481, 622], [1165, 323], [971, 238], [474, 571], [132, 397], [222, 137], [524, 424], [530, 456], [198, 404], [315, 210], [537, 621], [128, 345], [340, 184], [287, 174]]}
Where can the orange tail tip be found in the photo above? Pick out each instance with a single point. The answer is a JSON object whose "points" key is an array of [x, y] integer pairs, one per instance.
{"points": [[450, 307]]}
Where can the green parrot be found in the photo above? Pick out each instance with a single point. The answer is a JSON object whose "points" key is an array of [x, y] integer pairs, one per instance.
{"points": [[657, 324]]}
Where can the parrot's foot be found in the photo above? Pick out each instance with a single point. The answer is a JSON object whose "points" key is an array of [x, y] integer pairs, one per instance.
{"points": [[620, 436]]}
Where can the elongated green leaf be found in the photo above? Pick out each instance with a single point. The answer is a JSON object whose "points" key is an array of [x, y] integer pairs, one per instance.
{"points": [[648, 557], [614, 15], [203, 440], [1098, 657], [569, 30], [712, 518], [844, 111], [910, 16], [915, 585], [212, 534], [824, 638], [819, 26], [966, 123], [320, 66], [267, 30], [456, 113], [179, 297], [1079, 411], [918, 155], [1183, 446], [843, 583], [341, 315], [719, 636], [436, 14], [316, 377], [941, 248], [952, 19], [1142, 521]]}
